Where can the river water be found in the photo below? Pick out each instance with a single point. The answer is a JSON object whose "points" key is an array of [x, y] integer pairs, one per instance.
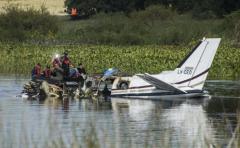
{"points": [[202, 122]]}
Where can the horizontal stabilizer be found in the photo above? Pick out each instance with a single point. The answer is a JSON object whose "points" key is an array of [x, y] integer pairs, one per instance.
{"points": [[159, 83]]}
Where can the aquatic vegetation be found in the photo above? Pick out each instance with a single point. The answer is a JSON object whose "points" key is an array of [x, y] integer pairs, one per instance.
{"points": [[20, 59]]}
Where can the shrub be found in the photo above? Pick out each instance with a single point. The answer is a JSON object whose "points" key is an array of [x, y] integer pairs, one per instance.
{"points": [[237, 34], [231, 20], [153, 14], [18, 24], [231, 27]]}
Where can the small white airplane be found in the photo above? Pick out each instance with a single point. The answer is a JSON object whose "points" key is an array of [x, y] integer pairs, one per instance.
{"points": [[187, 80]]}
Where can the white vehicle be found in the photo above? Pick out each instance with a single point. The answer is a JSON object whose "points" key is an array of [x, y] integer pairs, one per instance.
{"points": [[186, 80]]}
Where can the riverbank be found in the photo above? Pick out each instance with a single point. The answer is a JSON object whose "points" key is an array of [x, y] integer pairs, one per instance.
{"points": [[21, 58]]}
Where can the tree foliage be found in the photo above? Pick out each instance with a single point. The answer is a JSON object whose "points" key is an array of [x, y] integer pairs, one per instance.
{"points": [[199, 8]]}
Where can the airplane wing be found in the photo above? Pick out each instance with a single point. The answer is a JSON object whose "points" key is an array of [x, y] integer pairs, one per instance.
{"points": [[159, 83]]}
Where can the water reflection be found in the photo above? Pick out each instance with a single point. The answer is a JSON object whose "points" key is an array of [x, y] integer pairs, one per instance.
{"points": [[181, 123], [190, 125]]}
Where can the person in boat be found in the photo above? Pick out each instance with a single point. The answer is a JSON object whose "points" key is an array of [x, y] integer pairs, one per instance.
{"points": [[47, 72], [82, 73], [73, 72], [56, 60], [81, 69], [36, 72], [65, 64], [57, 73]]}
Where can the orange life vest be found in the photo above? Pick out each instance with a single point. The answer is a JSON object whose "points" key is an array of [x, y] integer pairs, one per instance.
{"points": [[37, 70], [47, 73], [74, 12]]}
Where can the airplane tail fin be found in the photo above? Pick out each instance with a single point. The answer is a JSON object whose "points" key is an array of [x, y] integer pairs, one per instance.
{"points": [[193, 70]]}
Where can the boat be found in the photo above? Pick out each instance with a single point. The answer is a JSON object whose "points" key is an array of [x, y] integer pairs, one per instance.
{"points": [[67, 88]]}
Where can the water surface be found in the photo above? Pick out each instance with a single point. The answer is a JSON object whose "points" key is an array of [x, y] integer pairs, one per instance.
{"points": [[202, 122]]}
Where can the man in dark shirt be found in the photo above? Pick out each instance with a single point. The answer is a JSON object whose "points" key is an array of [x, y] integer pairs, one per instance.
{"points": [[65, 64]]}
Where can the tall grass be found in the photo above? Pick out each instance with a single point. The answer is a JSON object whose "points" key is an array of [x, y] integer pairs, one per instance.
{"points": [[155, 25], [18, 24], [55, 7]]}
